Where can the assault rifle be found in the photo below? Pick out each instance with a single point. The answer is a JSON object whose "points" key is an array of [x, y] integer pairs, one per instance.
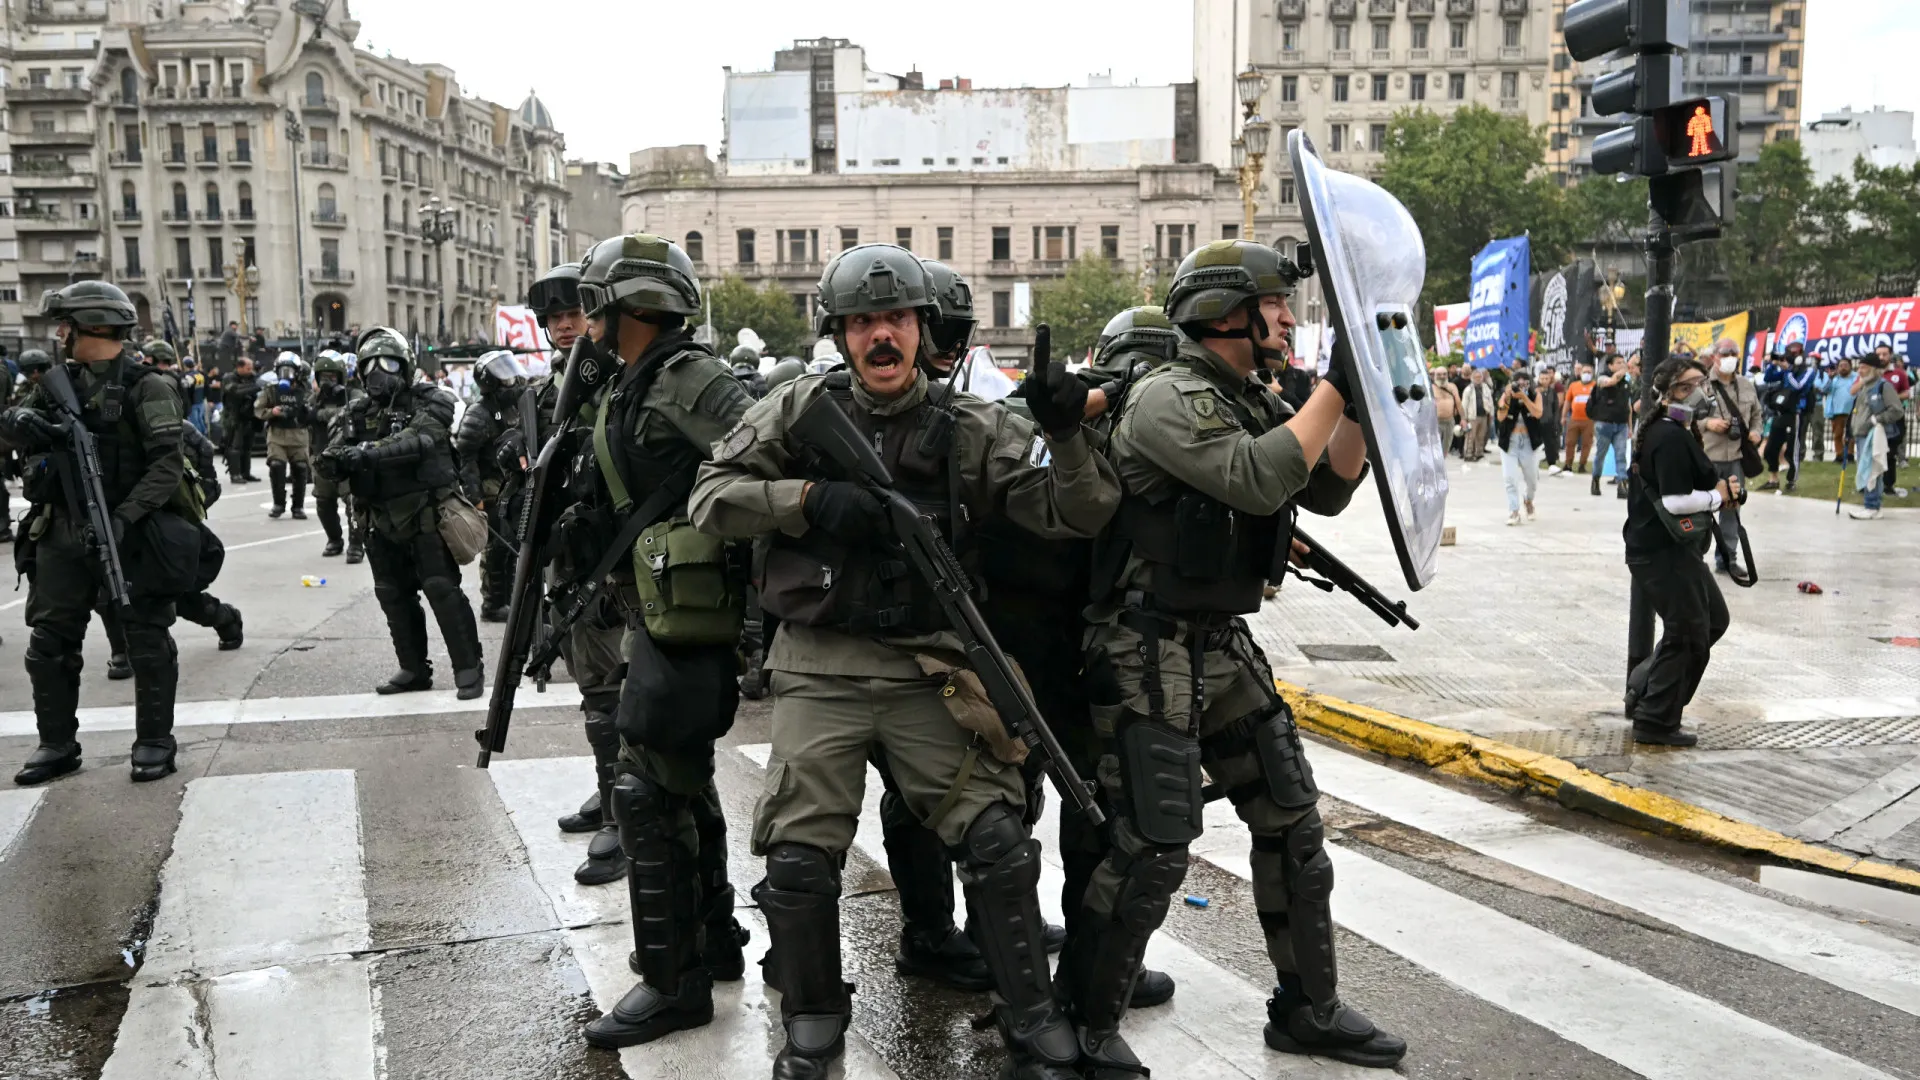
{"points": [[823, 426], [1335, 574], [85, 493], [545, 487]]}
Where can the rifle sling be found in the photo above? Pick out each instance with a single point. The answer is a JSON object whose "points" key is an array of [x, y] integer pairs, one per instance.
{"points": [[668, 495]]}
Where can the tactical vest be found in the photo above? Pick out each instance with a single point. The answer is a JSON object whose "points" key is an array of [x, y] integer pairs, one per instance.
{"points": [[299, 409], [1203, 557], [433, 471], [870, 590], [108, 413]]}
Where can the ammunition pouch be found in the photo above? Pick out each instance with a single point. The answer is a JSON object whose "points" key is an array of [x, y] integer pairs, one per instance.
{"points": [[1203, 556], [965, 697], [692, 586], [40, 482], [867, 593]]}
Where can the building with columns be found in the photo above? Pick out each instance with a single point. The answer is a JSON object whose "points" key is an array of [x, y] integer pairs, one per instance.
{"points": [[249, 156]]}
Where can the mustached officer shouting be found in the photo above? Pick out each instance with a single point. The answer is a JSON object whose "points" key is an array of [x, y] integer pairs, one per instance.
{"points": [[395, 447], [1211, 464], [656, 418], [135, 416], [863, 648]]}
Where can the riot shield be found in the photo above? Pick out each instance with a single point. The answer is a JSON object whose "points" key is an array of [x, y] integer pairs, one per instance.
{"points": [[1372, 264]]}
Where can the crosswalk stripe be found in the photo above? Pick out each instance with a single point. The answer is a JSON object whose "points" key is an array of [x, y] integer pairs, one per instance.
{"points": [[745, 1022], [1848, 956], [273, 710], [262, 904], [1649, 1026], [16, 810]]}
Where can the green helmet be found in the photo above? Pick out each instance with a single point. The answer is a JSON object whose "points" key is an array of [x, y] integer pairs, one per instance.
{"points": [[91, 303], [1136, 330], [555, 291], [385, 348], [638, 273], [330, 363], [35, 360], [955, 299], [873, 277], [785, 371], [744, 354], [158, 351], [1216, 278]]}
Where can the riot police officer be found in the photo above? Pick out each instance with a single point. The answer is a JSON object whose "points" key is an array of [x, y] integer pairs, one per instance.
{"points": [[333, 393], [493, 454], [746, 367], [285, 402], [655, 420], [237, 420], [873, 644], [1211, 463], [395, 447], [135, 416]]}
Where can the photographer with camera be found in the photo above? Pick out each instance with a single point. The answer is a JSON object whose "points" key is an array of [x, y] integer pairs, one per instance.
{"points": [[1729, 410], [1789, 390], [1520, 408], [1673, 490]]}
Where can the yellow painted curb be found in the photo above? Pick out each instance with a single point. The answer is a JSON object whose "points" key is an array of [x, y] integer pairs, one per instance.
{"points": [[1476, 757]]}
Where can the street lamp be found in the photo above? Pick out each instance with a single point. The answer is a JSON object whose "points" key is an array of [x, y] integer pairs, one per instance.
{"points": [[1250, 149], [296, 135], [244, 283], [436, 228]]}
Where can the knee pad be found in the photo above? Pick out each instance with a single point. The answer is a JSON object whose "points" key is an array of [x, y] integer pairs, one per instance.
{"points": [[995, 834], [49, 652], [894, 815], [641, 809], [439, 590], [388, 593], [149, 646], [802, 868], [603, 735], [1151, 879], [1309, 869], [1161, 769], [277, 469], [1283, 761]]}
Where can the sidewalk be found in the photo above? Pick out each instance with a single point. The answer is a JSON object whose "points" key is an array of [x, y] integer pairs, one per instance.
{"points": [[1809, 716]]}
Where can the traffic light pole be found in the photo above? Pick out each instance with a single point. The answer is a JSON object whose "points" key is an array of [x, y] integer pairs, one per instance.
{"points": [[1654, 347]]}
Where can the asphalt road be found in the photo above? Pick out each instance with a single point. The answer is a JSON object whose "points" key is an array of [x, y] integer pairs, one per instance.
{"points": [[328, 889]]}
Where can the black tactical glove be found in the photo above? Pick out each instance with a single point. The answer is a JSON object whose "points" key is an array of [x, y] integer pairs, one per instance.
{"points": [[1337, 378], [1057, 399], [119, 532], [33, 430], [844, 511]]}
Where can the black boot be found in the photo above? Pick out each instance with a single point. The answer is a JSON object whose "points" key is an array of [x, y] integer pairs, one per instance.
{"points": [[675, 992], [299, 493], [1151, 988], [329, 511], [948, 957], [1594, 490], [47, 762], [470, 682], [584, 820], [753, 684], [461, 634], [1295, 1026], [156, 676], [153, 759], [277, 480], [931, 947], [356, 543], [724, 956], [231, 628], [605, 861], [800, 898], [604, 737], [407, 681], [118, 668], [494, 613]]}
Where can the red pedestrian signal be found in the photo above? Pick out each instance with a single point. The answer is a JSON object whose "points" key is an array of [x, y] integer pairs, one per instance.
{"points": [[1695, 132], [1700, 133]]}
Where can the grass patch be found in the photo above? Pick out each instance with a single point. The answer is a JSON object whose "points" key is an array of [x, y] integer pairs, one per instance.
{"points": [[1818, 479]]}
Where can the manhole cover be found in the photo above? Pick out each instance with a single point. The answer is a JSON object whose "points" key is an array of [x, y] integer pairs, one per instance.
{"points": [[1347, 652]]}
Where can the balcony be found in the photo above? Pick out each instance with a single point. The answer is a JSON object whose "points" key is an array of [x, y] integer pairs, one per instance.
{"points": [[180, 273], [176, 217], [53, 138], [1379, 56], [399, 281], [244, 214], [798, 269], [1339, 56], [319, 103], [1419, 55], [1459, 56], [175, 157], [747, 269], [132, 273], [1293, 9], [1462, 9], [54, 11], [1513, 9], [1511, 53], [1420, 7], [1381, 7], [1342, 9], [209, 217], [26, 90], [40, 175], [329, 218], [393, 228], [130, 216], [46, 221], [242, 157], [406, 178], [1509, 104], [389, 171], [321, 159], [207, 157], [330, 275], [1291, 58], [1287, 108], [125, 101], [125, 158]]}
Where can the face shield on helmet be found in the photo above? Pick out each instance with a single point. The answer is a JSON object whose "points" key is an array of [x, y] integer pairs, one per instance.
{"points": [[498, 372]]}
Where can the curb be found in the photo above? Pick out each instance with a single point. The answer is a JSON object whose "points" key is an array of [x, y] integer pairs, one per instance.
{"points": [[1476, 757]]}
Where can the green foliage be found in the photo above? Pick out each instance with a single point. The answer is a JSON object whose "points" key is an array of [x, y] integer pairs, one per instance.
{"points": [[1472, 177], [1078, 306], [768, 310]]}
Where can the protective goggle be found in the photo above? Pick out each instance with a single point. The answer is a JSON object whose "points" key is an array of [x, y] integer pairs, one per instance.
{"points": [[392, 365], [553, 295]]}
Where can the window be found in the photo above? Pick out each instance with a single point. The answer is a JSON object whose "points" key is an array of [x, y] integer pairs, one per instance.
{"points": [[1002, 308], [129, 199], [213, 201], [743, 246], [317, 139], [316, 88], [1790, 18], [1002, 247], [1290, 36], [1510, 34], [209, 143], [217, 307], [1110, 242], [9, 295], [1509, 85], [1456, 35], [1789, 58], [180, 200], [1289, 88], [1174, 241], [696, 247], [1342, 36], [1230, 230], [328, 204], [1457, 86], [1561, 101], [944, 242], [1788, 99], [1561, 61], [1419, 35], [130, 141], [330, 257], [1417, 86], [216, 255], [1379, 88], [176, 143], [1054, 246], [849, 238], [1746, 64], [926, 161], [1558, 141], [1377, 137], [1340, 87], [132, 254], [242, 143], [1286, 191], [1336, 138], [1382, 34], [244, 195], [129, 86], [903, 236], [183, 257], [799, 304]]}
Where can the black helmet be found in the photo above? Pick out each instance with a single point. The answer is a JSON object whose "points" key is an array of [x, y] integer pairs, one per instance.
{"points": [[1218, 277], [873, 277], [638, 273], [785, 371], [92, 303], [498, 371], [955, 299], [1136, 330], [556, 291], [35, 360]]}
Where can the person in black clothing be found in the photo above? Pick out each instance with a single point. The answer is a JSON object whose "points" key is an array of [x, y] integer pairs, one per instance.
{"points": [[238, 421], [1672, 490]]}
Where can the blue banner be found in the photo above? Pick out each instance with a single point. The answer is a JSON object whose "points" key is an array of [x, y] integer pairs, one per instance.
{"points": [[1497, 318]]}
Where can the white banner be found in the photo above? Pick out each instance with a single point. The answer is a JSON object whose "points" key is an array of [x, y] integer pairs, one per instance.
{"points": [[515, 327]]}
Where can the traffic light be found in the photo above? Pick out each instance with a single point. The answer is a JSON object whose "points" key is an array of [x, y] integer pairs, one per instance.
{"points": [[1682, 135]]}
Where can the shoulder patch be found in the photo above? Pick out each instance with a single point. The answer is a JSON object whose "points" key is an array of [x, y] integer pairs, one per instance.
{"points": [[1041, 455], [1208, 415], [737, 442]]}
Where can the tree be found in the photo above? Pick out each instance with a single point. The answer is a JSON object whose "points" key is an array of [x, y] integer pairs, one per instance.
{"points": [[1469, 178], [1078, 306], [768, 310], [1764, 252], [1886, 206]]}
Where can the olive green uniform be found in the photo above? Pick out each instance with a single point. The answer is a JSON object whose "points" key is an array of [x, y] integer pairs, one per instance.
{"points": [[289, 443]]}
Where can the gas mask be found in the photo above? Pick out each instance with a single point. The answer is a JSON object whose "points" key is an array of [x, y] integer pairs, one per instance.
{"points": [[1680, 413], [383, 378]]}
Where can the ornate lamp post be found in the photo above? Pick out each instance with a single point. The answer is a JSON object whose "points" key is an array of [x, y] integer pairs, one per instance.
{"points": [[244, 283], [296, 135], [436, 228], [1250, 149]]}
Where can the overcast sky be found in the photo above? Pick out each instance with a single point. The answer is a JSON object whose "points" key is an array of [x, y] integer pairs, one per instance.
{"points": [[620, 77]]}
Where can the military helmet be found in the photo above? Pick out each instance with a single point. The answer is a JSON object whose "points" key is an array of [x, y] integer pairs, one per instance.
{"points": [[91, 303], [157, 351], [872, 277], [35, 360], [330, 363], [1216, 278], [497, 371], [555, 291], [385, 348], [1137, 329], [955, 299], [744, 354], [637, 273], [785, 372]]}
